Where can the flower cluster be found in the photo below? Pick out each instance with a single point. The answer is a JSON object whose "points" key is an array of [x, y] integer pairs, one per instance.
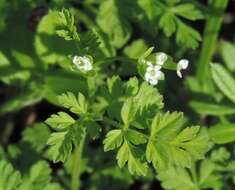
{"points": [[83, 63], [153, 72]]}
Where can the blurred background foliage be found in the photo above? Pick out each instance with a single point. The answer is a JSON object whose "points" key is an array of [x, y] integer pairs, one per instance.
{"points": [[34, 69]]}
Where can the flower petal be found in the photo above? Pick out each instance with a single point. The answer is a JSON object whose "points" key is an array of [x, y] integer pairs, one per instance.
{"points": [[179, 73], [149, 63], [160, 75], [161, 58], [150, 68], [157, 68], [75, 58], [147, 76], [87, 67], [183, 63], [153, 81]]}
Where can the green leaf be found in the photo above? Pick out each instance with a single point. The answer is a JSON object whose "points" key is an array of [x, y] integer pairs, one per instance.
{"points": [[145, 54], [135, 49], [128, 111], [209, 178], [155, 151], [146, 108], [154, 98], [105, 45], [93, 129], [70, 31], [23, 59], [149, 7], [12, 76], [118, 93], [222, 133], [75, 104], [189, 145], [186, 135], [224, 81], [206, 172], [90, 42], [171, 22], [127, 152], [220, 155], [86, 43], [227, 51], [112, 21], [59, 121], [132, 87], [177, 178], [188, 11], [115, 86], [168, 143], [113, 96], [10, 178], [187, 36], [31, 95], [62, 81], [132, 156], [64, 34], [211, 108], [40, 175], [49, 47], [167, 23], [39, 178], [135, 137], [113, 140], [36, 136], [155, 154], [61, 143]]}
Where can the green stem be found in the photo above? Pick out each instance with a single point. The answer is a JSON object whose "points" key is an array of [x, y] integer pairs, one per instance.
{"points": [[194, 174], [117, 58], [223, 119], [76, 166], [7, 133], [211, 31]]}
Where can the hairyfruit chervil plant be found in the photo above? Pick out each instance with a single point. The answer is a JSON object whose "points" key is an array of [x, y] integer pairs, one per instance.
{"points": [[95, 65]]}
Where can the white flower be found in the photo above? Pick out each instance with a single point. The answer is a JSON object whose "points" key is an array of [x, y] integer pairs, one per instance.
{"points": [[182, 65], [161, 58], [153, 74], [149, 63], [83, 63]]}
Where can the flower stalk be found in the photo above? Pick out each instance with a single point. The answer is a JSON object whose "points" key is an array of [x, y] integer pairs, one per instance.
{"points": [[76, 165], [211, 32]]}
